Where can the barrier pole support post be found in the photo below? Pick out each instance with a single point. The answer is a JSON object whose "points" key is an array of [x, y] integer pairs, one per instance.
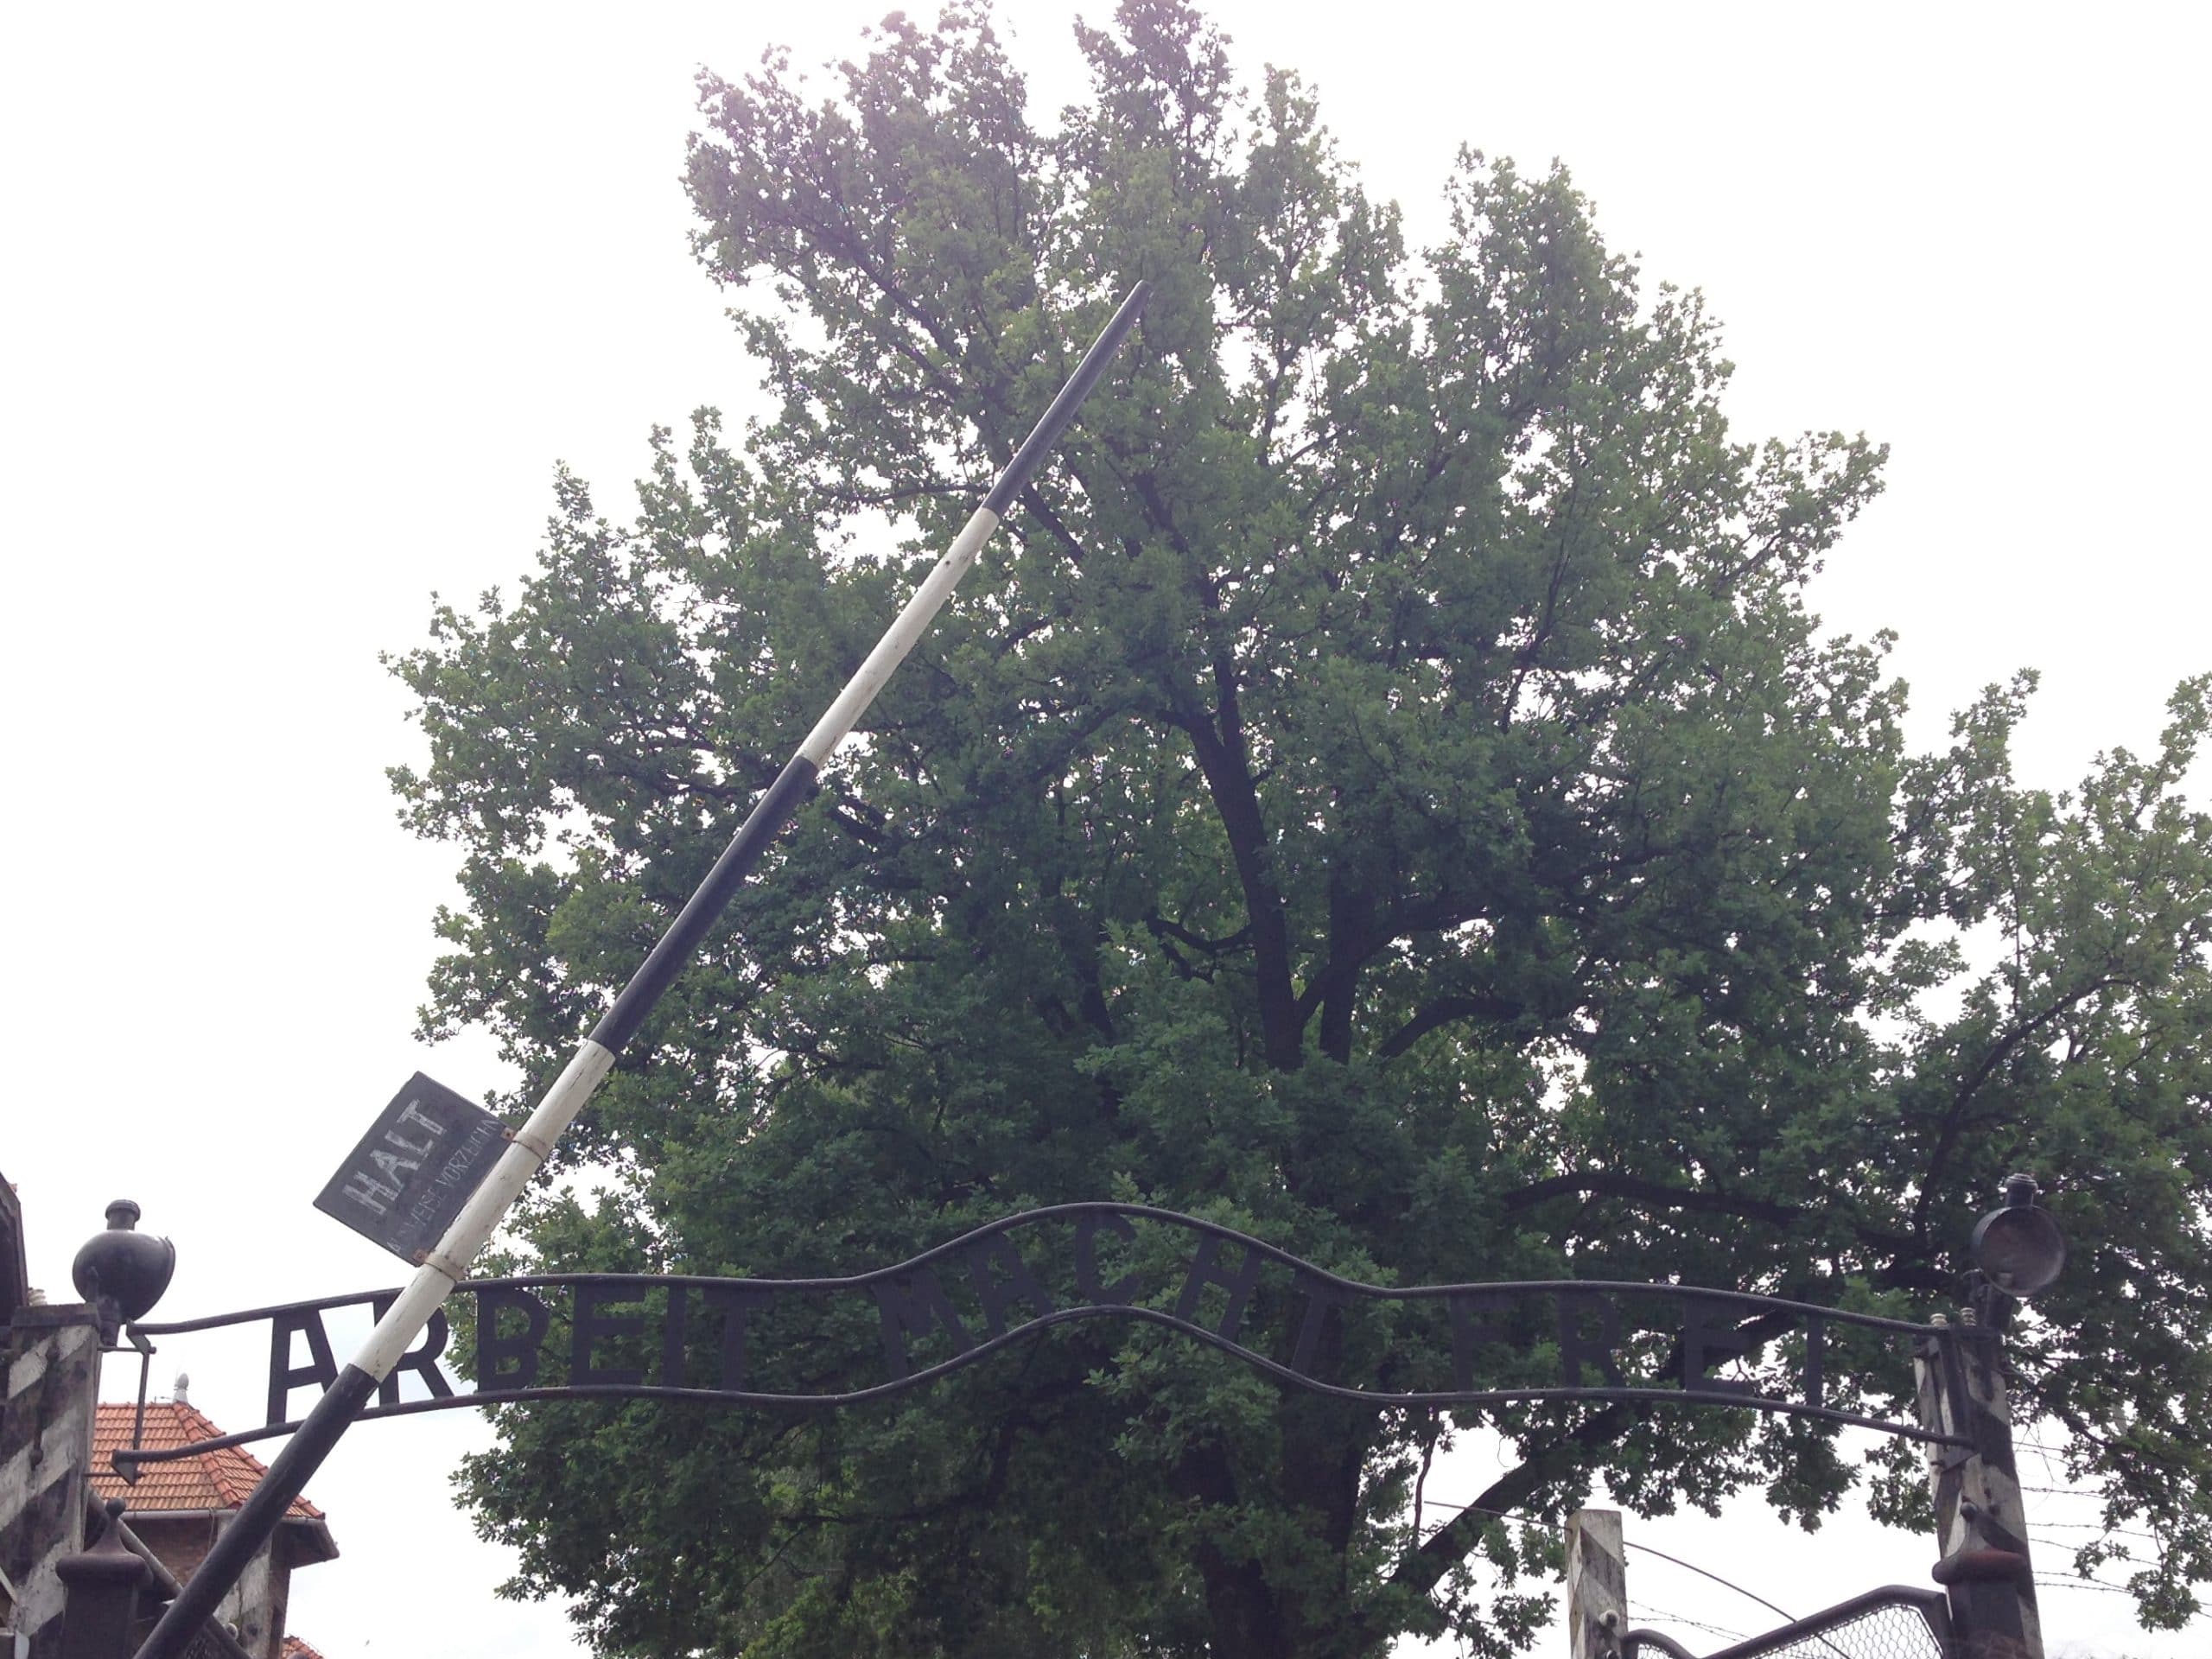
{"points": [[1597, 1584], [1981, 1524]]}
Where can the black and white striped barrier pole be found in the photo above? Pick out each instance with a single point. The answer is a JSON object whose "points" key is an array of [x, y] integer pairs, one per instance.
{"points": [[446, 1265]]}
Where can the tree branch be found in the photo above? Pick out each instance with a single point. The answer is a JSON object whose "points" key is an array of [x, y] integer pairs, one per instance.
{"points": [[1962, 1097], [1609, 1185], [1443, 1012], [1422, 1568]]}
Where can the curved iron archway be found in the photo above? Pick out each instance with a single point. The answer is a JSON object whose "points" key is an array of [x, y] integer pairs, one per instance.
{"points": [[976, 1294]]}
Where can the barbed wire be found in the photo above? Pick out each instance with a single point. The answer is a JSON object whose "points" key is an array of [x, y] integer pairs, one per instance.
{"points": [[2100, 1586], [2088, 1526], [2054, 1583], [1650, 1612], [1726, 1583]]}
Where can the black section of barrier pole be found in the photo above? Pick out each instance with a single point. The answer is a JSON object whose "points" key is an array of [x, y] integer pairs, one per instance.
{"points": [[259, 1517], [1047, 433], [673, 954]]}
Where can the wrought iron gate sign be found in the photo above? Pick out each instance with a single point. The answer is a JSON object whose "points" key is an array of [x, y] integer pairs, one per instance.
{"points": [[678, 1337]]}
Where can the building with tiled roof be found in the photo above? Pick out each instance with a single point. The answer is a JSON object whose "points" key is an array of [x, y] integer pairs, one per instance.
{"points": [[76, 1542], [213, 1483], [176, 1510]]}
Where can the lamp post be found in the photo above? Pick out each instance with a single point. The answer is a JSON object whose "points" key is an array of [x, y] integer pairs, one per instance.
{"points": [[1980, 1526]]}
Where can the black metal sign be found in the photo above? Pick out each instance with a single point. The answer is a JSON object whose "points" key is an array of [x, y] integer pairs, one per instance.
{"points": [[742, 1341], [414, 1168]]}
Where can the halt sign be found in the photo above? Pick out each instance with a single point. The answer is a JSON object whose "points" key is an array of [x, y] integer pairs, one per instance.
{"points": [[418, 1165]]}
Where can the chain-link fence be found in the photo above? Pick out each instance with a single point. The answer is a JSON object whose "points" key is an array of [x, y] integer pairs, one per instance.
{"points": [[1892, 1622]]}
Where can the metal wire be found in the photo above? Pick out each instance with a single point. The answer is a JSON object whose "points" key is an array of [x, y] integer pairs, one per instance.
{"points": [[1660, 1615], [1705, 1574]]}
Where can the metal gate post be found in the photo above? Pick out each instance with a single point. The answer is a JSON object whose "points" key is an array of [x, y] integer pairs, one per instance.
{"points": [[1597, 1584], [107, 1588], [1980, 1526]]}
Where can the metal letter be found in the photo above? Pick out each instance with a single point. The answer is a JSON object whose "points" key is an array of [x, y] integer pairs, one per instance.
{"points": [[1576, 1344], [1469, 1333], [997, 1293], [671, 1337], [734, 1304], [321, 1369], [421, 1359], [1707, 1343], [1320, 1297], [508, 1362], [1205, 1269], [1123, 1290], [593, 1324], [908, 1309]]}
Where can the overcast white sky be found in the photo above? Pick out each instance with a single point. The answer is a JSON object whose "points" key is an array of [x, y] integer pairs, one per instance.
{"points": [[301, 304]]}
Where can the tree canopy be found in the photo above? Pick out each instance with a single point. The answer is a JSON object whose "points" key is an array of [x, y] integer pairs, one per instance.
{"points": [[1385, 790]]}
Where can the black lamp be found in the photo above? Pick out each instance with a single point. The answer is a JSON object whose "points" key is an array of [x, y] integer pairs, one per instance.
{"points": [[122, 1272], [2018, 1248]]}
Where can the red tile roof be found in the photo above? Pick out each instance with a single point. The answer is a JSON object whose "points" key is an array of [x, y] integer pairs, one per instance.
{"points": [[213, 1480], [295, 1649]]}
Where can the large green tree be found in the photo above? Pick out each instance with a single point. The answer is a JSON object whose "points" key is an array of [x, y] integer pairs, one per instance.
{"points": [[1385, 789]]}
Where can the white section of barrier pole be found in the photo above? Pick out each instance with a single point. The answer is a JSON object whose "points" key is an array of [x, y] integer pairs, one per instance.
{"points": [[898, 639]]}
